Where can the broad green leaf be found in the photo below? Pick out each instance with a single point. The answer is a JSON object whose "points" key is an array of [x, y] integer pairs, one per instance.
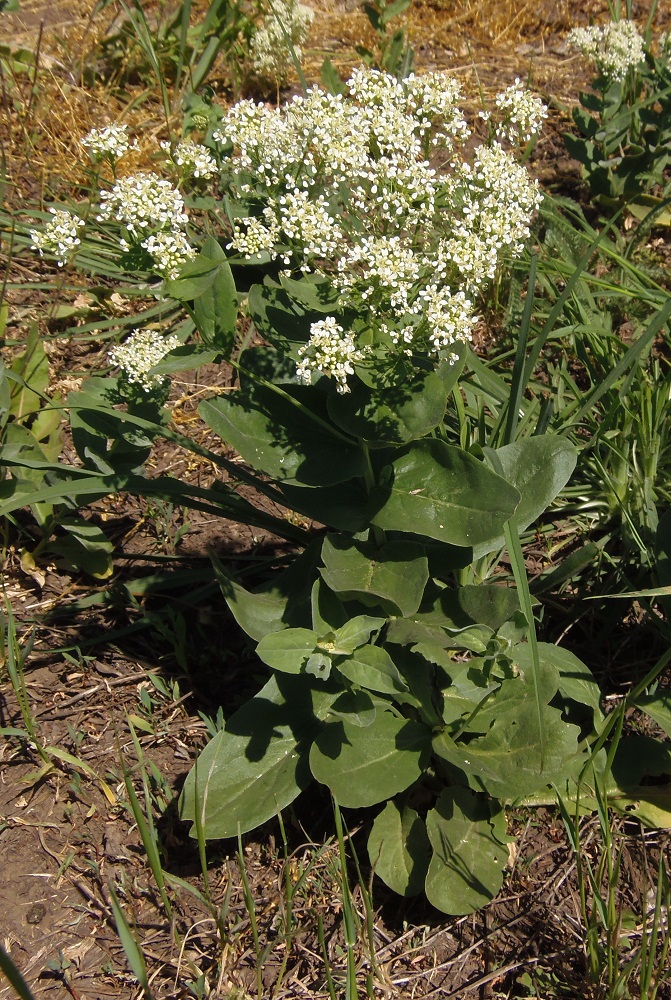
{"points": [[392, 414], [257, 764], [266, 363], [195, 278], [282, 438], [215, 310], [32, 369], [466, 868], [658, 707], [399, 849], [355, 707], [365, 766], [83, 547], [328, 611], [576, 681], [511, 760], [344, 508], [445, 493], [183, 359], [280, 317], [287, 650], [539, 468], [423, 681], [642, 776], [356, 632], [282, 602], [484, 604], [397, 572], [517, 695], [372, 667]]}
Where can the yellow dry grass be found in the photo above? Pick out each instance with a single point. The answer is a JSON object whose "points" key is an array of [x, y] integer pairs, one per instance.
{"points": [[487, 43]]}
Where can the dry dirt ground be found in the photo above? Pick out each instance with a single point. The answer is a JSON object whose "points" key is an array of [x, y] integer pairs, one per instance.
{"points": [[154, 649]]}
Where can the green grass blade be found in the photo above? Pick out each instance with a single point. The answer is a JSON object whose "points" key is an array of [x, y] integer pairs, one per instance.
{"points": [[145, 822], [520, 371], [129, 943], [635, 351], [14, 977], [521, 582]]}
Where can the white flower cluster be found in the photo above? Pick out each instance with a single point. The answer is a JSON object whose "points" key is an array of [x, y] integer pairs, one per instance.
{"points": [[195, 159], [342, 185], [286, 23], [170, 251], [329, 351], [152, 212], [59, 236], [109, 143], [522, 115], [616, 47], [143, 202], [664, 42], [140, 352]]}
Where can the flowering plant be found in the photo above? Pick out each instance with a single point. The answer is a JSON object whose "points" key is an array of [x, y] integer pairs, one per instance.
{"points": [[624, 124], [397, 677]]}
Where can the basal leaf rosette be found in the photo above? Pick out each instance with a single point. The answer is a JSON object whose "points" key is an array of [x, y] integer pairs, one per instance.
{"points": [[377, 193]]}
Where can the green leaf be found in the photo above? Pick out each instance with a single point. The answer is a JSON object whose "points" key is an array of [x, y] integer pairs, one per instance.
{"points": [[84, 547], [356, 707], [215, 310], [356, 632], [287, 650], [195, 278], [184, 359], [539, 468], [365, 766], [280, 317], [328, 611], [345, 508], [576, 681], [515, 757], [399, 849], [482, 604], [396, 573], [642, 775], [517, 694], [372, 667], [392, 414], [282, 438], [257, 764], [445, 493], [658, 707], [266, 363], [285, 600], [32, 368], [466, 869], [331, 79]]}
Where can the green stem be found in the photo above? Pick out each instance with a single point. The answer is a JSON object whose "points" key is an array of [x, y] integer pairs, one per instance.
{"points": [[521, 582], [369, 482]]}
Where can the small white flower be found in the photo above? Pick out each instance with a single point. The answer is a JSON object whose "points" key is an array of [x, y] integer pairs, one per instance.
{"points": [[59, 236], [140, 352], [195, 159], [329, 351], [522, 114], [616, 47], [286, 21], [109, 143], [170, 252], [144, 202]]}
